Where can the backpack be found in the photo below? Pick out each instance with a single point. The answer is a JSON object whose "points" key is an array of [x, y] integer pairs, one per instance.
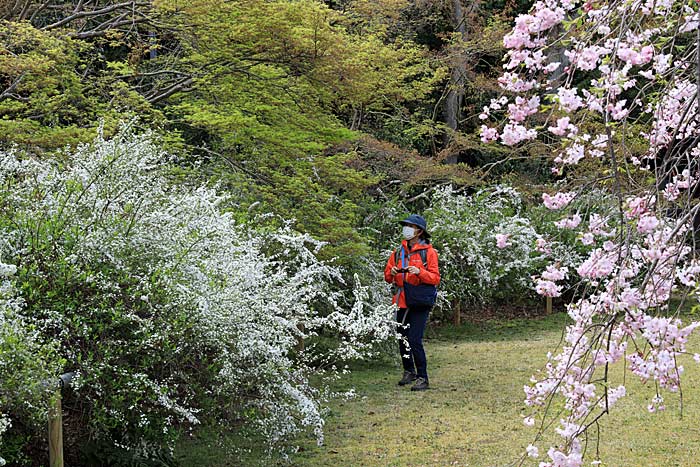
{"points": [[422, 294]]}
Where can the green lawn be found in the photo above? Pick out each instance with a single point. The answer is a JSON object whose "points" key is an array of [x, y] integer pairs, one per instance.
{"points": [[472, 414]]}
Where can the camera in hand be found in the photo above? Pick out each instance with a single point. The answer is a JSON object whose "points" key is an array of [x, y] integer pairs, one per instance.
{"points": [[402, 270]]}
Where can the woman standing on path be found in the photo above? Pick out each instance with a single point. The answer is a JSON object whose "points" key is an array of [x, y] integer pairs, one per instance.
{"points": [[413, 269]]}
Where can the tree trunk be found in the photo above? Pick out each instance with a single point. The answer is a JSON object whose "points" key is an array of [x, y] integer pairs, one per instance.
{"points": [[455, 91]]}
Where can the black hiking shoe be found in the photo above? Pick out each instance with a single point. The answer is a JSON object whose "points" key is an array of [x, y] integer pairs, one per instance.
{"points": [[408, 377], [421, 385]]}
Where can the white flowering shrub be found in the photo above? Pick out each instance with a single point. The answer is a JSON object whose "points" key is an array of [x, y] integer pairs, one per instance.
{"points": [[487, 246], [169, 311], [24, 366]]}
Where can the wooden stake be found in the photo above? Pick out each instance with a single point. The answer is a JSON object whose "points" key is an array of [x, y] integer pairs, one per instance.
{"points": [[549, 305], [56, 432], [456, 312]]}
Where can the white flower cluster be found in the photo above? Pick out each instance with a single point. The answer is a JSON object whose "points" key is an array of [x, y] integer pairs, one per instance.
{"points": [[202, 305], [486, 245]]}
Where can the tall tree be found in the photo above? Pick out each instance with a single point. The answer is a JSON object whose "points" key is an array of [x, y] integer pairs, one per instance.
{"points": [[458, 68]]}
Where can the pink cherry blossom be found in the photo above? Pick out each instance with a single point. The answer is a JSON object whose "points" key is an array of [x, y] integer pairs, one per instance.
{"points": [[502, 240], [488, 134], [588, 238], [638, 206], [513, 134], [532, 451], [644, 257], [598, 264], [647, 223], [543, 246], [547, 288], [558, 201], [564, 127], [520, 110], [569, 222], [569, 100]]}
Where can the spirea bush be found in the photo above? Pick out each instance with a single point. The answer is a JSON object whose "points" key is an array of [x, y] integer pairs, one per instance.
{"points": [[487, 245], [25, 362], [170, 312]]}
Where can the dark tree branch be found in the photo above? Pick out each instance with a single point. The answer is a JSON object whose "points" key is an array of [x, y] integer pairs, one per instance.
{"points": [[8, 92], [182, 85], [102, 11], [25, 10], [97, 33], [41, 8]]}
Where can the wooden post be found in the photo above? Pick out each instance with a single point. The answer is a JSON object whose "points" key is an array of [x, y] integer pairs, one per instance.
{"points": [[56, 432], [456, 312], [549, 305]]}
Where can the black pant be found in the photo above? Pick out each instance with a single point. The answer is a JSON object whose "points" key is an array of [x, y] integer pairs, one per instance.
{"points": [[413, 358]]}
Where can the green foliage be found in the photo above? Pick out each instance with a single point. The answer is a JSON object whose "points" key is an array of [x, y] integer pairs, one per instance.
{"points": [[28, 366], [275, 79], [54, 90]]}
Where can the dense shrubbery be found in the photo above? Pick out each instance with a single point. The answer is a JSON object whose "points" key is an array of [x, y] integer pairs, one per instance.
{"points": [[169, 311], [464, 228], [492, 245]]}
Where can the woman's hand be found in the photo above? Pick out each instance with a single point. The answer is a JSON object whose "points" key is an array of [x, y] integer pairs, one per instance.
{"points": [[394, 271], [413, 270]]}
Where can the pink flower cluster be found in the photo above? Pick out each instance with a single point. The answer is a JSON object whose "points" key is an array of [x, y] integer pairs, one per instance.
{"points": [[672, 113], [513, 134], [546, 284], [569, 222], [573, 154], [557, 201], [628, 54], [543, 246], [502, 240], [680, 182], [598, 225], [638, 206], [598, 264], [564, 127], [587, 58], [569, 100], [647, 223], [488, 134], [523, 108]]}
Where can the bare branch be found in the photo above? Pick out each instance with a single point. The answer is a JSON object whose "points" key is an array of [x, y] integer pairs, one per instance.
{"points": [[180, 86], [8, 92], [100, 12]]}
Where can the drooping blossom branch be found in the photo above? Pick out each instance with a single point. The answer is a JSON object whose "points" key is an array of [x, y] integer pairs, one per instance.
{"points": [[615, 85]]}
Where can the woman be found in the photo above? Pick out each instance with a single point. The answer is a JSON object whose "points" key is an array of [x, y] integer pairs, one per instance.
{"points": [[413, 269]]}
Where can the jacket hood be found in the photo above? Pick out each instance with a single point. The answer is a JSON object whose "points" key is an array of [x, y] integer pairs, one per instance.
{"points": [[421, 245]]}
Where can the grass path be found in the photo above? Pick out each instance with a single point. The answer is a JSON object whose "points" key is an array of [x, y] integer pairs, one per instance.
{"points": [[472, 414]]}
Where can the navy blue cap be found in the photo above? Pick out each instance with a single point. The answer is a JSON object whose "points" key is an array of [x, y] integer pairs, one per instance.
{"points": [[415, 219]]}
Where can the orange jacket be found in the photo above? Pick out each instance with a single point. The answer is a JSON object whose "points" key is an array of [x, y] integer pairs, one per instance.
{"points": [[429, 275]]}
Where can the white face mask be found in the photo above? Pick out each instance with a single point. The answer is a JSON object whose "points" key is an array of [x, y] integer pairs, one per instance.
{"points": [[408, 232]]}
